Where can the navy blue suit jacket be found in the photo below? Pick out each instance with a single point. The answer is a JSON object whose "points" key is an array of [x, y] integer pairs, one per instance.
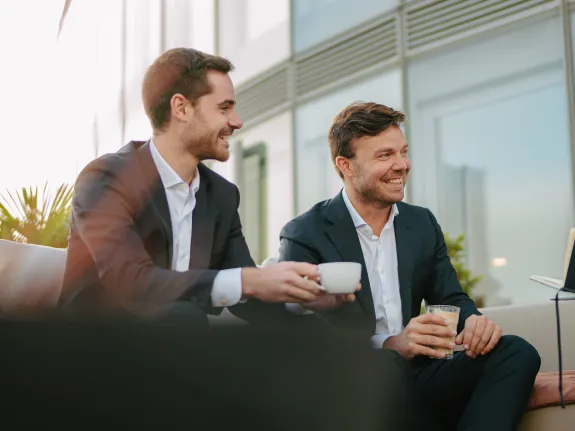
{"points": [[326, 233]]}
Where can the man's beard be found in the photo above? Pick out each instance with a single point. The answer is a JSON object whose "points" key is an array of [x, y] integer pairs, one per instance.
{"points": [[370, 191], [206, 146], [370, 194]]}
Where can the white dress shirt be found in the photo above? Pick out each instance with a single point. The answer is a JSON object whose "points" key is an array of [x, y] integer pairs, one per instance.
{"points": [[227, 287], [380, 255]]}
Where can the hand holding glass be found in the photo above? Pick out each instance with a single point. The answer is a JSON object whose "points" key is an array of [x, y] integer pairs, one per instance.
{"points": [[451, 314]]}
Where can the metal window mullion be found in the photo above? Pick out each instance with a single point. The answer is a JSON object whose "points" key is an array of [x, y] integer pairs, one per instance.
{"points": [[403, 67], [569, 79], [291, 81]]}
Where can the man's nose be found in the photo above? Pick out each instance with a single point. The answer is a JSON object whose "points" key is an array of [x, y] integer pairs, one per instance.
{"points": [[235, 121], [401, 164]]}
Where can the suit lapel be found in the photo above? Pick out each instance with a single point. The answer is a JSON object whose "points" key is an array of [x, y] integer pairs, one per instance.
{"points": [[404, 240], [344, 237], [203, 224], [154, 191]]}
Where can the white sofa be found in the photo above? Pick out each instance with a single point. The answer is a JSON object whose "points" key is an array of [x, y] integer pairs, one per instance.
{"points": [[536, 324]]}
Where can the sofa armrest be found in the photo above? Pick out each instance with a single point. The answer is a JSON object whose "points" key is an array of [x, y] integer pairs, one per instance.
{"points": [[30, 277], [537, 324]]}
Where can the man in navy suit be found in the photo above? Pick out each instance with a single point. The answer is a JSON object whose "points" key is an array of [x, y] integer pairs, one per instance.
{"points": [[404, 261]]}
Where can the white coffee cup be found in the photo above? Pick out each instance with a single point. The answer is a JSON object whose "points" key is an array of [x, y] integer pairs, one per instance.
{"points": [[339, 277]]}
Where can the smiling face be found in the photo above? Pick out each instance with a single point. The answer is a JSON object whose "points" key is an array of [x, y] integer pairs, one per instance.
{"points": [[379, 168], [370, 153], [212, 119]]}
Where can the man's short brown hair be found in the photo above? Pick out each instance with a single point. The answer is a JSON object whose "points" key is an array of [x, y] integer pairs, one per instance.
{"points": [[356, 121], [178, 71]]}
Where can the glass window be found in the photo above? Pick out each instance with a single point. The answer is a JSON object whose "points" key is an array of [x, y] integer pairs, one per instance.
{"points": [[253, 34], [491, 155], [318, 20], [316, 176], [253, 210]]}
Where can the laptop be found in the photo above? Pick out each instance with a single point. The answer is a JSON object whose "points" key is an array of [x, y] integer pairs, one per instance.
{"points": [[568, 282]]}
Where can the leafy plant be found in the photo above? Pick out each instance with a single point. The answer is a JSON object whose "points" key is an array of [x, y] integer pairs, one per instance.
{"points": [[456, 252], [36, 217]]}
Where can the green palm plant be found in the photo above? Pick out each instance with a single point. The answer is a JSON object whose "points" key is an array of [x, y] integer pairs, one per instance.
{"points": [[456, 253], [36, 216]]}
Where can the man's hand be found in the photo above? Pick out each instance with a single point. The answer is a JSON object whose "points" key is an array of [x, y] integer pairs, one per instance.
{"points": [[479, 336], [327, 301], [283, 282], [420, 335]]}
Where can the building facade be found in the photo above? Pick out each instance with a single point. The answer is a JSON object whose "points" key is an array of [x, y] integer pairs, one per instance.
{"points": [[488, 87]]}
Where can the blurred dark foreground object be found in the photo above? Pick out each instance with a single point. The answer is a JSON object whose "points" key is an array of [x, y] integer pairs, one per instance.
{"points": [[108, 373]]}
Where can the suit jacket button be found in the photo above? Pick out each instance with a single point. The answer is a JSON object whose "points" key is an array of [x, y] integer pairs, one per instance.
{"points": [[194, 300]]}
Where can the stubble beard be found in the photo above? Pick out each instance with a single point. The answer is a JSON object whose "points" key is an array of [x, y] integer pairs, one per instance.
{"points": [[204, 145], [370, 193]]}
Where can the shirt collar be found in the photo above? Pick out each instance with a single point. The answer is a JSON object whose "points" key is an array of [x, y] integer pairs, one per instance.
{"points": [[168, 176], [358, 221]]}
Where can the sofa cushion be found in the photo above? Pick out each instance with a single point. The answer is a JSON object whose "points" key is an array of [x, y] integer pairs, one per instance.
{"points": [[546, 389], [537, 324], [551, 418], [30, 276]]}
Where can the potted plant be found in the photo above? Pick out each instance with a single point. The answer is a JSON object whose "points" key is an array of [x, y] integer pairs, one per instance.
{"points": [[456, 252], [36, 216]]}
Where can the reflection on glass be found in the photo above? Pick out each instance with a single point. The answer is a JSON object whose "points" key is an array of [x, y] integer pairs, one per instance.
{"points": [[491, 154], [318, 20], [505, 181]]}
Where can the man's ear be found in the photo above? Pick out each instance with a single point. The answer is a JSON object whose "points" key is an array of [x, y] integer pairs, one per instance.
{"points": [[343, 165], [180, 107]]}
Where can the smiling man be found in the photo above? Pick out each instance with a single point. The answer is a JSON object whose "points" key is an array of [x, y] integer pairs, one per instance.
{"points": [[154, 232], [404, 261]]}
